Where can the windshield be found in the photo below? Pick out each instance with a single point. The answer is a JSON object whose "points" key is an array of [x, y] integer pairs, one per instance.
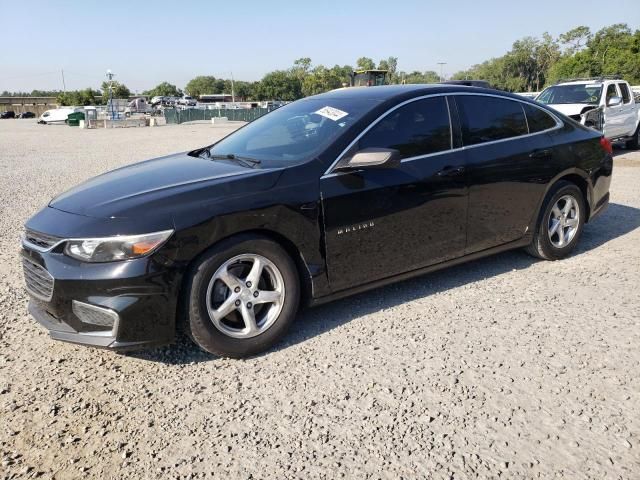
{"points": [[576, 93], [293, 132]]}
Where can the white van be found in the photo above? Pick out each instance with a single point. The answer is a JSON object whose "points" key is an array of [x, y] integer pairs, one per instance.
{"points": [[58, 115]]}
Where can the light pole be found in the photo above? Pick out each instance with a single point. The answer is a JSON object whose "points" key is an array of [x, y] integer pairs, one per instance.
{"points": [[110, 76], [442, 64]]}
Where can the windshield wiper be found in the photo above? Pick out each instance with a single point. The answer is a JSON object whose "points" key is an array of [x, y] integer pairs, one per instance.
{"points": [[246, 161]]}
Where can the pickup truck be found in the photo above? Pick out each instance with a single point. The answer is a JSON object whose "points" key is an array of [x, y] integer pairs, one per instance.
{"points": [[605, 103]]}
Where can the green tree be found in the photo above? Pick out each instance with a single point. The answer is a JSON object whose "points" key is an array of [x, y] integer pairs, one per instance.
{"points": [[202, 85], [575, 39], [365, 63], [164, 89], [77, 97], [612, 50], [244, 90], [119, 90], [391, 65], [419, 77], [301, 67], [322, 79], [279, 85], [616, 50]]}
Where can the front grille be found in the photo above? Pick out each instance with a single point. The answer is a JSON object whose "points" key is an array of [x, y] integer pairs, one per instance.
{"points": [[40, 240], [39, 282]]}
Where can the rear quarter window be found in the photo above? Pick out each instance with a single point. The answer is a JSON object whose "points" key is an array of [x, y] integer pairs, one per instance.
{"points": [[537, 119], [486, 119]]}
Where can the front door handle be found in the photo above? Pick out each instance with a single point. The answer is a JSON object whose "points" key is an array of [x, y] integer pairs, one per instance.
{"points": [[545, 153], [450, 171]]}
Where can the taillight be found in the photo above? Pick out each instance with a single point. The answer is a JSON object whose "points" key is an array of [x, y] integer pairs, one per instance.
{"points": [[606, 145]]}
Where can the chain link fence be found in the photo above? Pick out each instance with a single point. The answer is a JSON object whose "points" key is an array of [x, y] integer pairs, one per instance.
{"points": [[173, 115]]}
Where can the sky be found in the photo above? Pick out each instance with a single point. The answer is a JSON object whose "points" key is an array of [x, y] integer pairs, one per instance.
{"points": [[147, 42]]}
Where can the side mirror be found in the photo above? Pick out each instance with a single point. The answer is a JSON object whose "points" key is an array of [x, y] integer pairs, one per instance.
{"points": [[614, 101], [374, 158]]}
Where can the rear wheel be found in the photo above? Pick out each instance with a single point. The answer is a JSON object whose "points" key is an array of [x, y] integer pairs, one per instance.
{"points": [[634, 143], [242, 297], [561, 223]]}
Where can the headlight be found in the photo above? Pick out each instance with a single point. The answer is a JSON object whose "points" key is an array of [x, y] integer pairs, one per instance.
{"points": [[111, 249]]}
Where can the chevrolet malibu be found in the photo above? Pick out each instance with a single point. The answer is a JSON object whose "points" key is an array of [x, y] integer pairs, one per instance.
{"points": [[325, 197]]}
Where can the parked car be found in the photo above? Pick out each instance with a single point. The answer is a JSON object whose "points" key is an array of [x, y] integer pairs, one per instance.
{"points": [[531, 95], [157, 100], [606, 104], [187, 100], [27, 115], [58, 115], [138, 105], [324, 197], [468, 83], [8, 114]]}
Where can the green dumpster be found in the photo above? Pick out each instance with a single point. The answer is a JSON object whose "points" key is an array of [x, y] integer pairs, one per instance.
{"points": [[73, 119]]}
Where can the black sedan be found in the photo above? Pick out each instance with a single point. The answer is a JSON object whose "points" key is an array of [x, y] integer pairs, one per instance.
{"points": [[26, 115], [8, 114], [324, 197]]}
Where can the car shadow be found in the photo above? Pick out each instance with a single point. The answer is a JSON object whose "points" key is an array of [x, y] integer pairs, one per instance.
{"points": [[618, 220]]}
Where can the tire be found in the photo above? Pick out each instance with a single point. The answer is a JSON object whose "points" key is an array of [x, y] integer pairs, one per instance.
{"points": [[234, 260], [634, 143], [547, 245]]}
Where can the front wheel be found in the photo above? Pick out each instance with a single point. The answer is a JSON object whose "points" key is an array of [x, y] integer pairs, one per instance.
{"points": [[242, 297], [561, 223]]}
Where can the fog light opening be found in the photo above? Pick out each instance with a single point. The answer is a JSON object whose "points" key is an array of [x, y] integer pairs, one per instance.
{"points": [[94, 315]]}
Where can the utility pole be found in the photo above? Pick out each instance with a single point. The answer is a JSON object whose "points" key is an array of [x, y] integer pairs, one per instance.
{"points": [[64, 86], [441, 75], [233, 95]]}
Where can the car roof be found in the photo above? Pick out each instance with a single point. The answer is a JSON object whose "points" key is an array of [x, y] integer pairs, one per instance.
{"points": [[582, 82], [389, 92]]}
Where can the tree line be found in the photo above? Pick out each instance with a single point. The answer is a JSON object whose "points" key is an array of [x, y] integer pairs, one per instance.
{"points": [[531, 64]]}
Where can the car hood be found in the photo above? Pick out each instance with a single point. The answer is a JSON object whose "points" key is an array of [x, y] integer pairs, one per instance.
{"points": [[569, 109], [159, 186]]}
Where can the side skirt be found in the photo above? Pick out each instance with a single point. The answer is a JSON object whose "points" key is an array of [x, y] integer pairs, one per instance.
{"points": [[522, 242]]}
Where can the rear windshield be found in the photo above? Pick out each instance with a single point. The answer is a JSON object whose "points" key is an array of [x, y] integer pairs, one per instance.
{"points": [[577, 93]]}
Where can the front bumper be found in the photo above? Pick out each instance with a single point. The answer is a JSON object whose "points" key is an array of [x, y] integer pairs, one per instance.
{"points": [[59, 330], [138, 295]]}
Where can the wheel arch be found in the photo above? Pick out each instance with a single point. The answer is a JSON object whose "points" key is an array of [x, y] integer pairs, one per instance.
{"points": [[581, 180], [287, 244], [578, 177]]}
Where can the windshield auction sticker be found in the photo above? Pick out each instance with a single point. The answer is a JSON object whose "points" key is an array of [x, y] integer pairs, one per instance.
{"points": [[332, 113]]}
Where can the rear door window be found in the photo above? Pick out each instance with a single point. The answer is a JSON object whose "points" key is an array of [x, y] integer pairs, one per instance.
{"points": [[537, 119], [486, 119], [626, 95], [418, 128]]}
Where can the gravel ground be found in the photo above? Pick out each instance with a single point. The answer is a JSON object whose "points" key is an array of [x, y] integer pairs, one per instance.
{"points": [[505, 367]]}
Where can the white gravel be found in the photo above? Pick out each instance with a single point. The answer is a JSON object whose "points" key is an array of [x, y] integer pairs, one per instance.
{"points": [[504, 367]]}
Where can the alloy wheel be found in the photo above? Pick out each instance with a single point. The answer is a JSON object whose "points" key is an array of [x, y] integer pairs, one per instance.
{"points": [[245, 296], [564, 221]]}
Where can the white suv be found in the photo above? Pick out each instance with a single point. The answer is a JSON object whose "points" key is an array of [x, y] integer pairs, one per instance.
{"points": [[187, 100], [606, 104]]}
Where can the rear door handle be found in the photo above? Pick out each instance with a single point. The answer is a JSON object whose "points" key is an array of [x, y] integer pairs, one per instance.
{"points": [[540, 154], [451, 171]]}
